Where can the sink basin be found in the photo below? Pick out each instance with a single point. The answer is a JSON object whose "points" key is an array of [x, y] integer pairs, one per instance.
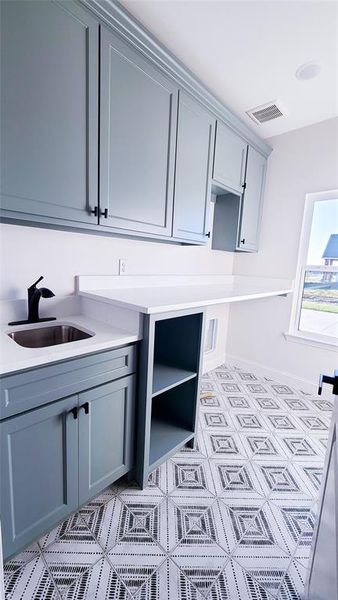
{"points": [[40, 337]]}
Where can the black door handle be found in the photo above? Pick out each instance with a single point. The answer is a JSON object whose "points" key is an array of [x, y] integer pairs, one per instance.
{"points": [[74, 412], [207, 234], [103, 213], [85, 407], [243, 241], [330, 380]]}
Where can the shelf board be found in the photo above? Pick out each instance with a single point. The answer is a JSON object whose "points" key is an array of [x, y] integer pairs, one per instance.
{"points": [[166, 377], [165, 439]]}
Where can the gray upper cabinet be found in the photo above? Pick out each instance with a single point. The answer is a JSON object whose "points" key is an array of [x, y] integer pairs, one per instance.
{"points": [[106, 435], [33, 446], [92, 135], [195, 136], [49, 113], [137, 141], [229, 159], [252, 201]]}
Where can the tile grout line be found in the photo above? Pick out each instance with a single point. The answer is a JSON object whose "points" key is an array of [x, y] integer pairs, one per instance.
{"points": [[50, 573]]}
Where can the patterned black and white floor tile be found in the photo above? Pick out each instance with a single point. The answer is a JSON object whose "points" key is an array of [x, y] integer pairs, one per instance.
{"points": [[32, 581], [19, 561], [231, 519]]}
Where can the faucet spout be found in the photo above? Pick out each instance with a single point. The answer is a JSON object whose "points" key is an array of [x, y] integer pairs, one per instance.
{"points": [[34, 295], [46, 293]]}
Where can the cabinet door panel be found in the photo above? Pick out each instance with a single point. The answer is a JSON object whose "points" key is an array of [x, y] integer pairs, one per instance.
{"points": [[229, 160], [193, 170], [106, 434], [49, 107], [252, 201], [39, 466], [137, 140]]}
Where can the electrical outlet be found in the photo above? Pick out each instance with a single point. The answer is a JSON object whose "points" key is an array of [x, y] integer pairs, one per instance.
{"points": [[122, 266]]}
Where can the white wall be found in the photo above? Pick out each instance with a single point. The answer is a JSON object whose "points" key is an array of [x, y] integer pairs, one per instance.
{"points": [[303, 161], [27, 252]]}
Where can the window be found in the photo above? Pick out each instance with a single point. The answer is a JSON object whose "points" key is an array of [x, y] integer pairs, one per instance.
{"points": [[315, 310]]}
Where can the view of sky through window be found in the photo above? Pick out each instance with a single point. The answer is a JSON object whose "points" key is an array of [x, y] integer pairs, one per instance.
{"points": [[319, 307], [324, 223]]}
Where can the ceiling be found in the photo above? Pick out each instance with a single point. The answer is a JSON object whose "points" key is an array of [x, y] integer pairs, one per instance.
{"points": [[247, 52]]}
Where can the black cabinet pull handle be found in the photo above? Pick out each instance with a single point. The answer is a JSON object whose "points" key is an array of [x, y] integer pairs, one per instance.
{"points": [[74, 412], [243, 241], [85, 407], [103, 213], [244, 186], [207, 234]]}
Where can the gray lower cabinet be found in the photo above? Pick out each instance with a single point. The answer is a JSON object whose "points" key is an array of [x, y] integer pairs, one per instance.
{"points": [[137, 141], [49, 112], [39, 472], [57, 456], [195, 138], [229, 159], [106, 435], [170, 371], [252, 201]]}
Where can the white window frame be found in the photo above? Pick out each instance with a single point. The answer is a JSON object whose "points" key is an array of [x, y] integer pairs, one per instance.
{"points": [[294, 334]]}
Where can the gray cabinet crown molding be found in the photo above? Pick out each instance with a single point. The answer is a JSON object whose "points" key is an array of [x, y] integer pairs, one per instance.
{"points": [[117, 17]]}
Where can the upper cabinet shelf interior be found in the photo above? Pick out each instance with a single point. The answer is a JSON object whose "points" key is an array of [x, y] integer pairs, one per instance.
{"points": [[103, 139], [239, 196]]}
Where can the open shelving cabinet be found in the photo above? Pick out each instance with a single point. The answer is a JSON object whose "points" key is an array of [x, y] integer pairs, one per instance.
{"points": [[170, 369]]}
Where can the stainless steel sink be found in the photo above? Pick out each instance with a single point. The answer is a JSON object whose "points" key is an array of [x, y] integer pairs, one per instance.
{"points": [[40, 337]]}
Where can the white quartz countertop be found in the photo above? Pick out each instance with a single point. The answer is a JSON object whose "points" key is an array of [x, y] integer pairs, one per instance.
{"points": [[14, 357], [159, 299]]}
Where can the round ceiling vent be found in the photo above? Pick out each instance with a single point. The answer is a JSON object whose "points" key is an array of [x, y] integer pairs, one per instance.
{"points": [[308, 70]]}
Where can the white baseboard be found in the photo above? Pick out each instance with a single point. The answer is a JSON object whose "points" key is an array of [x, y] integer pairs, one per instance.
{"points": [[310, 387], [279, 376], [212, 361]]}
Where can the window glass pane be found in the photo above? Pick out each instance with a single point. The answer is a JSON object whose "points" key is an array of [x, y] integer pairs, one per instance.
{"points": [[319, 308]]}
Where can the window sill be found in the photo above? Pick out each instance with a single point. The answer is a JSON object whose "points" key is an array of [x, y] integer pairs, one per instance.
{"points": [[301, 338]]}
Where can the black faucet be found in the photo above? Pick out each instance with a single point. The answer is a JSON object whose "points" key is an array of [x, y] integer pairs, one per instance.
{"points": [[34, 295]]}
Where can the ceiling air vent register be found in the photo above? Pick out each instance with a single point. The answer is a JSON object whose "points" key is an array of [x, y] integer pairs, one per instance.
{"points": [[266, 112]]}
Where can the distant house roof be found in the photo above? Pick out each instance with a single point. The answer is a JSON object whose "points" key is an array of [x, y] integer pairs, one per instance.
{"points": [[331, 250]]}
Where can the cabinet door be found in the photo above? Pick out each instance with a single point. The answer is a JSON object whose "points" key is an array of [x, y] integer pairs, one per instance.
{"points": [[39, 472], [229, 159], [252, 201], [195, 136], [106, 435], [137, 141], [49, 98]]}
